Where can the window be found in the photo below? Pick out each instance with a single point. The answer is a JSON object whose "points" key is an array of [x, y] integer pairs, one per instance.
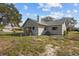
{"points": [[45, 28], [54, 28], [33, 28]]}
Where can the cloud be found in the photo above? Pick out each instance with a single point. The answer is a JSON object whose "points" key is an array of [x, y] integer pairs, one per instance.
{"points": [[68, 11], [75, 4], [20, 12], [48, 6], [75, 11], [57, 14], [45, 9], [60, 14], [31, 15], [28, 14], [22, 22], [25, 7], [72, 11], [55, 5], [68, 15]]}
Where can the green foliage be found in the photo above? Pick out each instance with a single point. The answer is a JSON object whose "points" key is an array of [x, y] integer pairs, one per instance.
{"points": [[1, 26], [11, 13], [65, 33], [47, 33]]}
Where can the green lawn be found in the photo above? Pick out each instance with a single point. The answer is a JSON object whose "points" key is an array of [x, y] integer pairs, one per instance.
{"points": [[34, 45]]}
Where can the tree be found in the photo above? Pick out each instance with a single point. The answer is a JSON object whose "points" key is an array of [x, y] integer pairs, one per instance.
{"points": [[70, 22], [11, 13]]}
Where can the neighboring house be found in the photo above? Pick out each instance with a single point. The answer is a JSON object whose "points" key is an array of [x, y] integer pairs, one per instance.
{"points": [[45, 26], [8, 28]]}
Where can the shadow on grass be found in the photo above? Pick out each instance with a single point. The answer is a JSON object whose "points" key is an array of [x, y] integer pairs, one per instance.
{"points": [[12, 34]]}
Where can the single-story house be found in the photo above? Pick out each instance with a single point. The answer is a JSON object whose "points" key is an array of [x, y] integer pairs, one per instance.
{"points": [[45, 26], [9, 28]]}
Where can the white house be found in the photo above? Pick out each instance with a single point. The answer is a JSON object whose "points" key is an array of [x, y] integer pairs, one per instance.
{"points": [[45, 26], [9, 28]]}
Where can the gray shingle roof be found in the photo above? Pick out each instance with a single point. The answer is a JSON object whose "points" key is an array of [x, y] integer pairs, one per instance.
{"points": [[54, 22], [49, 23], [32, 20]]}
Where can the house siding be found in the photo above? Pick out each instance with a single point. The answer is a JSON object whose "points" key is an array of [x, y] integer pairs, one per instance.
{"points": [[58, 31], [40, 30], [31, 24]]}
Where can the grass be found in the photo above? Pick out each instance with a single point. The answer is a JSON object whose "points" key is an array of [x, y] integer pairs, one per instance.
{"points": [[22, 46], [34, 45]]}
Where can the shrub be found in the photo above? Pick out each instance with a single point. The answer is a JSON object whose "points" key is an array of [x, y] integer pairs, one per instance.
{"points": [[76, 30], [1, 27], [65, 33], [47, 33]]}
